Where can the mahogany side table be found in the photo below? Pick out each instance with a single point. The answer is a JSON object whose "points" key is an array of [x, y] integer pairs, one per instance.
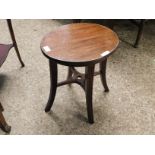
{"points": [[79, 45]]}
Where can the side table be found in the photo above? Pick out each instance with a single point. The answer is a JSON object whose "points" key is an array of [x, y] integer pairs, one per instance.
{"points": [[79, 45]]}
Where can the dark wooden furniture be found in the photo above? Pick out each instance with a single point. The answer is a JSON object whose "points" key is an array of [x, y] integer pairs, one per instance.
{"points": [[4, 50], [4, 126], [140, 25], [79, 45], [14, 41]]}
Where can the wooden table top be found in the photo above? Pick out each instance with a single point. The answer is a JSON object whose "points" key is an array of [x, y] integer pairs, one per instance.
{"points": [[79, 43]]}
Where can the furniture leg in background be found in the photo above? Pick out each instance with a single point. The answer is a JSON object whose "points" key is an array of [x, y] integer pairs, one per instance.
{"points": [[14, 41], [140, 26], [4, 126]]}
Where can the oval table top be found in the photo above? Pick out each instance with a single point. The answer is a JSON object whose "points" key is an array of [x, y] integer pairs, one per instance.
{"points": [[80, 43]]}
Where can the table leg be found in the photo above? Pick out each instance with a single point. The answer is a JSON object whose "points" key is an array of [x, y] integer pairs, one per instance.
{"points": [[53, 84], [3, 123], [103, 74], [89, 75]]}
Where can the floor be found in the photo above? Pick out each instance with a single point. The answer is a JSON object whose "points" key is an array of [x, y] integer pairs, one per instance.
{"points": [[129, 107]]}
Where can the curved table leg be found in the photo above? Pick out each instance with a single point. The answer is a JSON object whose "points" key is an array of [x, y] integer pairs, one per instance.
{"points": [[53, 85], [3, 123], [89, 76], [103, 74]]}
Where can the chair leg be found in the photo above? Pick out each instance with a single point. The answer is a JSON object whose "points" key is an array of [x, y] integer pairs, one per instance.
{"points": [[3, 123], [1, 107], [89, 75], [14, 41], [103, 75], [140, 32], [18, 55], [53, 87]]}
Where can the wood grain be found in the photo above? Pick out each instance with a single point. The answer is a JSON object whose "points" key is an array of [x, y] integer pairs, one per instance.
{"points": [[79, 43]]}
